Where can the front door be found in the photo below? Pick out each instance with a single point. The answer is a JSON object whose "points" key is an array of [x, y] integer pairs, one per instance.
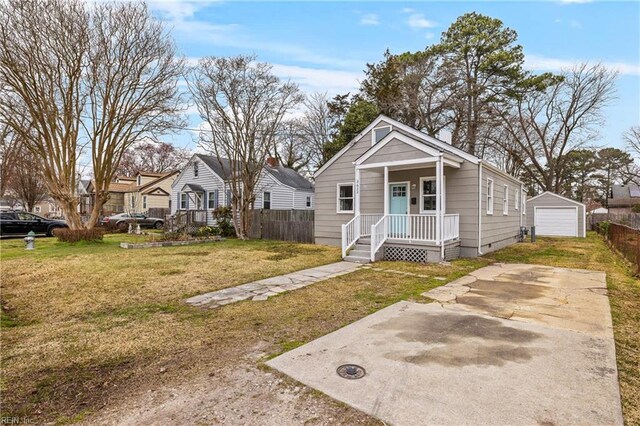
{"points": [[398, 205]]}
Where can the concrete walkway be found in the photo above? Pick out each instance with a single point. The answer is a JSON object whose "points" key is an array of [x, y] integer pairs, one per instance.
{"points": [[505, 345], [263, 289]]}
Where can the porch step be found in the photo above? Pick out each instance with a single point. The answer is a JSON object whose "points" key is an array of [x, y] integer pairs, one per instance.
{"points": [[357, 259], [365, 247], [365, 240], [358, 252]]}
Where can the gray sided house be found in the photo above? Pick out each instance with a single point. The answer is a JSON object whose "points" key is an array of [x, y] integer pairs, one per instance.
{"points": [[556, 216], [399, 194], [203, 186]]}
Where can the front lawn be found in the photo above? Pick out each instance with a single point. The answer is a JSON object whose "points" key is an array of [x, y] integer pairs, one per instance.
{"points": [[92, 325]]}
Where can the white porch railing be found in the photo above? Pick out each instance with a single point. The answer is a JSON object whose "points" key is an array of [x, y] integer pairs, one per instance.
{"points": [[450, 227], [403, 227], [350, 234], [366, 221]]}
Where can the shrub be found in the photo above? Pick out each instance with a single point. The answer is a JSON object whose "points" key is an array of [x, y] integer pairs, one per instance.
{"points": [[603, 228], [75, 235], [175, 236], [636, 208], [207, 231], [223, 216]]}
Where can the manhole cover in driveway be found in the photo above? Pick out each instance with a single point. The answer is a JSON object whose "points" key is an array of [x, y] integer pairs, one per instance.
{"points": [[351, 371]]}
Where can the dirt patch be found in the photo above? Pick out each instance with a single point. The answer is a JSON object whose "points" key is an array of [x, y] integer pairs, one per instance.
{"points": [[244, 394]]}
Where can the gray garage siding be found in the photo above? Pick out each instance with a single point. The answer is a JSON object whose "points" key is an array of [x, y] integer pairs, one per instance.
{"points": [[549, 199]]}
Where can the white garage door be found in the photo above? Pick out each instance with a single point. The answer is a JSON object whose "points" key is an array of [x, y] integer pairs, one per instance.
{"points": [[556, 221]]}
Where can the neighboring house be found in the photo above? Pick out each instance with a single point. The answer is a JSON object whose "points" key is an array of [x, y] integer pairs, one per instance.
{"points": [[623, 198], [599, 210], [423, 199], [556, 216], [48, 208], [151, 191], [136, 194], [203, 185]]}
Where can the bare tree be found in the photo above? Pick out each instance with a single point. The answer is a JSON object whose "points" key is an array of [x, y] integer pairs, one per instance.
{"points": [[316, 127], [545, 126], [292, 149], [243, 104], [632, 138], [75, 76], [27, 185], [9, 149], [154, 157]]}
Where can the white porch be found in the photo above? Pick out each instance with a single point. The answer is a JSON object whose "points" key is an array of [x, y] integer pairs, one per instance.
{"points": [[433, 227]]}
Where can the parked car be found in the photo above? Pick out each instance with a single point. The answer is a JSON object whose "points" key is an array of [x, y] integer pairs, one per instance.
{"points": [[14, 223], [121, 221]]}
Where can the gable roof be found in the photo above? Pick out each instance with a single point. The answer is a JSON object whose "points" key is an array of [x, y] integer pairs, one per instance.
{"points": [[289, 177], [421, 136], [221, 167], [160, 178], [555, 195]]}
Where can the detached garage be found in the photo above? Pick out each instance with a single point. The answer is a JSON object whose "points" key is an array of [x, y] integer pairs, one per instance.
{"points": [[556, 216]]}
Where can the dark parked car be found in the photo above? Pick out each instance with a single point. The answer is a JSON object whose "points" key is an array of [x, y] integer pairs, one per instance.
{"points": [[14, 223], [122, 221]]}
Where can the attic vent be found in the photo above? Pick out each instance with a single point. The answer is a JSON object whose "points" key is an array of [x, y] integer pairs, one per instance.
{"points": [[379, 133]]}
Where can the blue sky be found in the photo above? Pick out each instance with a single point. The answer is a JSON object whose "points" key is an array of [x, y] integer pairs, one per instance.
{"points": [[324, 46]]}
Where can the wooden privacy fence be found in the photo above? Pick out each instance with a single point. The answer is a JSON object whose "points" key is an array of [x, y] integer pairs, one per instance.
{"points": [[158, 212], [626, 240], [630, 219], [283, 225]]}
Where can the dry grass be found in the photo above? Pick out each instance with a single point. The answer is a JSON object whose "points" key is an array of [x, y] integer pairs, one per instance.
{"points": [[92, 325]]}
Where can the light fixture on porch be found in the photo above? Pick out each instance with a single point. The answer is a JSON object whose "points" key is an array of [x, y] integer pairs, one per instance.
{"points": [[413, 186]]}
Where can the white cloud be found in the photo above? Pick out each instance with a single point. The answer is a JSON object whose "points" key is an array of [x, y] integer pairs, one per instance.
{"points": [[417, 20], [408, 10], [575, 1], [541, 63], [319, 80], [429, 36], [575, 24], [370, 19]]}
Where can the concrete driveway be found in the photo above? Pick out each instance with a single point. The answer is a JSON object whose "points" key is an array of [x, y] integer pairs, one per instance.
{"points": [[505, 345]]}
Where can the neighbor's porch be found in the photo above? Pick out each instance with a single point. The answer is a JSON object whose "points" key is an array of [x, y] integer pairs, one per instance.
{"points": [[412, 218]]}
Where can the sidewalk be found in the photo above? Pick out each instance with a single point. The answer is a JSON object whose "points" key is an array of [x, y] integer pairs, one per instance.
{"points": [[263, 289]]}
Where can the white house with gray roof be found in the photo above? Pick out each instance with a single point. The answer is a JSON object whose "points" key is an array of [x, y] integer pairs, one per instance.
{"points": [[397, 193], [203, 185]]}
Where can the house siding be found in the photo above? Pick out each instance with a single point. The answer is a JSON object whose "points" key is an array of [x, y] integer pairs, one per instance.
{"points": [[499, 230], [397, 150], [300, 200], [282, 197], [550, 200], [328, 223]]}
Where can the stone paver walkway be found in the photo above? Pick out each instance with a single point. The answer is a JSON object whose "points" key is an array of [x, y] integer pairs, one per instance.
{"points": [[263, 289]]}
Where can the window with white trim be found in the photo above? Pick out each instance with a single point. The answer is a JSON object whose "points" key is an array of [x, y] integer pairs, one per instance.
{"points": [[379, 133], [505, 201], [37, 209], [427, 194], [212, 199], [139, 180], [523, 197], [144, 202], [183, 200], [489, 196], [517, 201], [308, 201], [345, 199], [266, 200], [195, 169], [132, 201]]}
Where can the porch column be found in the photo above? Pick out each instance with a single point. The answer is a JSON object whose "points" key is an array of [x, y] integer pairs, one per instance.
{"points": [[357, 190], [440, 198], [386, 190]]}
